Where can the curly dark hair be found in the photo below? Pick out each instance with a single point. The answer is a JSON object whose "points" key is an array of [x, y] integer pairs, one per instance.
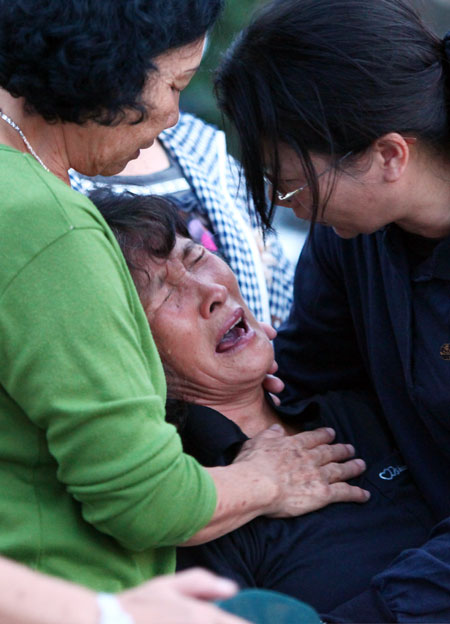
{"points": [[80, 60]]}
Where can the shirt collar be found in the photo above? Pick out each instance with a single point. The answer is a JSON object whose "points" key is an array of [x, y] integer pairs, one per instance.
{"points": [[210, 437], [437, 265]]}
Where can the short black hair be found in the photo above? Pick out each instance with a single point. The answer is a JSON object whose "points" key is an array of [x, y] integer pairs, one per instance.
{"points": [[80, 60], [330, 77], [145, 226]]}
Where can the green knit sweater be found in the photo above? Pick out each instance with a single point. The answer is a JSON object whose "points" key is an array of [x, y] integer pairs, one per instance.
{"points": [[94, 486]]}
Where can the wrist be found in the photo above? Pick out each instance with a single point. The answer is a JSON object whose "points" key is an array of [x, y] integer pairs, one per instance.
{"points": [[262, 491], [111, 611]]}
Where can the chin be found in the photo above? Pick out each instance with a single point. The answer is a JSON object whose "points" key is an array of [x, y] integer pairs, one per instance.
{"points": [[115, 167], [342, 233], [256, 359]]}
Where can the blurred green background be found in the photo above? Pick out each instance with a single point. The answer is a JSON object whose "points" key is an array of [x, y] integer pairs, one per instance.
{"points": [[198, 97]]}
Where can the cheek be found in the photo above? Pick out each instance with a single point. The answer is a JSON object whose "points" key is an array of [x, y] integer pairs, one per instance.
{"points": [[175, 340], [165, 114]]}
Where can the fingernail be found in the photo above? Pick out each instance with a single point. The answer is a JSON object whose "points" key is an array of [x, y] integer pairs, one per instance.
{"points": [[330, 431], [227, 585], [276, 428], [368, 494], [361, 463], [350, 448]]}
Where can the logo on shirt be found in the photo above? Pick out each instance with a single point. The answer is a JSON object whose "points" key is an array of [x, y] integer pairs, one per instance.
{"points": [[391, 472], [445, 351]]}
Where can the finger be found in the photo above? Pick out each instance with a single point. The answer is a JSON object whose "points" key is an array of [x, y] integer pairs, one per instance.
{"points": [[270, 331], [342, 472], [271, 432], [311, 439], [274, 367], [225, 618], [273, 384], [276, 427], [276, 401], [326, 453], [198, 583], [345, 493], [260, 440]]}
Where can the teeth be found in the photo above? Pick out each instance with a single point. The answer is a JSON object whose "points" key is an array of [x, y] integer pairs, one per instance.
{"points": [[237, 323]]}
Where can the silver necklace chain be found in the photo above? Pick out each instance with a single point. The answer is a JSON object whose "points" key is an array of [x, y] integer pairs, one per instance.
{"points": [[24, 138]]}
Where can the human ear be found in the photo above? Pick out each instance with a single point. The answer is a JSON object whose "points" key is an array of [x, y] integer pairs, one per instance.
{"points": [[392, 151]]}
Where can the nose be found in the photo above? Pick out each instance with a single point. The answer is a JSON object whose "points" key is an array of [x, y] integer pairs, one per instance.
{"points": [[174, 112], [172, 118], [213, 296]]}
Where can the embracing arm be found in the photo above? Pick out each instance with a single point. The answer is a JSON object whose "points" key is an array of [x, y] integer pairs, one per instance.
{"points": [[85, 383], [34, 598]]}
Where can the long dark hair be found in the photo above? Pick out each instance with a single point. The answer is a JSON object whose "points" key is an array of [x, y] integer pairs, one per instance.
{"points": [[330, 77]]}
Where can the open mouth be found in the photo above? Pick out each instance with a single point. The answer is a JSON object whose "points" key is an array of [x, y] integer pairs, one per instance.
{"points": [[233, 335]]}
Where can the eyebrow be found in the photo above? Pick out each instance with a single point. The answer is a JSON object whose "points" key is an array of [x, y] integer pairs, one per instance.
{"points": [[187, 250]]}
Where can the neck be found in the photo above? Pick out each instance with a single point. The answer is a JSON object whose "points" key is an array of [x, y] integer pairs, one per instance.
{"points": [[427, 209], [46, 139], [250, 410], [151, 160]]}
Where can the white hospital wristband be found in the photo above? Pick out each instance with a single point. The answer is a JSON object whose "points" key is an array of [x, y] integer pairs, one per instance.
{"points": [[111, 611]]}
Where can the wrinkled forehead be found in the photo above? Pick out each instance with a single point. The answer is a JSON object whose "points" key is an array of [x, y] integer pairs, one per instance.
{"points": [[158, 268], [159, 273]]}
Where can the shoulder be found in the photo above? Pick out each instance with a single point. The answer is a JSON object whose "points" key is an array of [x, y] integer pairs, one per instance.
{"points": [[36, 196], [326, 247], [37, 209]]}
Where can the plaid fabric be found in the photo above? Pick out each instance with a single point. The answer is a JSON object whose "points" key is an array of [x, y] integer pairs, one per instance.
{"points": [[264, 274]]}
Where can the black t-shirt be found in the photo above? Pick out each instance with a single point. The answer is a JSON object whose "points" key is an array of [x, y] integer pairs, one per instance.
{"points": [[329, 556]]}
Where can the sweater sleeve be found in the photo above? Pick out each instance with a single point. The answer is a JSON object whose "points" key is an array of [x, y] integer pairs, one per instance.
{"points": [[78, 358]]}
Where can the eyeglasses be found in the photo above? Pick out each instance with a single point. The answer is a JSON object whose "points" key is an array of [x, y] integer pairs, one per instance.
{"points": [[288, 196]]}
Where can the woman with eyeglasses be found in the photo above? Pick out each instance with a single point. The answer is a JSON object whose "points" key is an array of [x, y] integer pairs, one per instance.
{"points": [[344, 106]]}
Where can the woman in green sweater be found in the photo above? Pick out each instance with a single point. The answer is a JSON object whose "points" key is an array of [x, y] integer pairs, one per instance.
{"points": [[94, 484]]}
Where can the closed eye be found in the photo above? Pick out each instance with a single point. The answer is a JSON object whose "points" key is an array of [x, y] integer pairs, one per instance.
{"points": [[199, 257]]}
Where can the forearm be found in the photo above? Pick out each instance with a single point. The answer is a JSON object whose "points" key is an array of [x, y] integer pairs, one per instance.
{"points": [[242, 495], [34, 598]]}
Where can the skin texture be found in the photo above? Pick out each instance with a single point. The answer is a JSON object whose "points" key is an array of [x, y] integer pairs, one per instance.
{"points": [[92, 149], [191, 300], [256, 485], [34, 598], [397, 181]]}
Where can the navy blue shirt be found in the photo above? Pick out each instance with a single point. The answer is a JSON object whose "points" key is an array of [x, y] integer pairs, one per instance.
{"points": [[373, 312], [326, 557]]}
